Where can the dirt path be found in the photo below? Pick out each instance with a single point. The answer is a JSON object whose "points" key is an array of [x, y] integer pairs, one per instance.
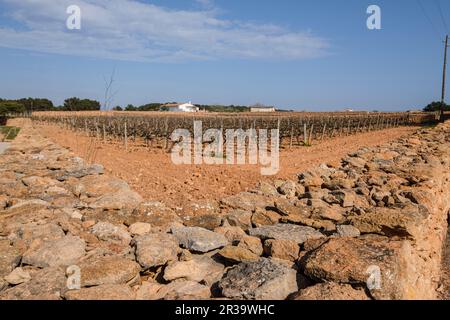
{"points": [[154, 176]]}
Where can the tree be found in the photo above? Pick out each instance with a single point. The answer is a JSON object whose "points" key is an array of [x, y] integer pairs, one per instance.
{"points": [[36, 104], [11, 106], [75, 104], [130, 107], [436, 106], [117, 108]]}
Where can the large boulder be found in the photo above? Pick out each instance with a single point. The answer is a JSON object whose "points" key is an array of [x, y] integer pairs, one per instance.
{"points": [[377, 263]]}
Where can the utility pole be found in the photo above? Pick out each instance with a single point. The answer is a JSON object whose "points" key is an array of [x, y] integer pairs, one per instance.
{"points": [[443, 80]]}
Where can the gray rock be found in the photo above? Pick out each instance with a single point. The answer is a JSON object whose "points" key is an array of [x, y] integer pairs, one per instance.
{"points": [[263, 279], [348, 231], [199, 239], [53, 253], [156, 249], [293, 232]]}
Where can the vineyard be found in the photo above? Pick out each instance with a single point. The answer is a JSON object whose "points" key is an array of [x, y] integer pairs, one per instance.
{"points": [[155, 128]]}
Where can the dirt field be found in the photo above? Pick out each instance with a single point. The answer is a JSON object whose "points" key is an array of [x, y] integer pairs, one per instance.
{"points": [[154, 176]]}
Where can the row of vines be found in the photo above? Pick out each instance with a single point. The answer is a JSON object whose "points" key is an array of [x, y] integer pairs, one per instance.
{"points": [[294, 128]]}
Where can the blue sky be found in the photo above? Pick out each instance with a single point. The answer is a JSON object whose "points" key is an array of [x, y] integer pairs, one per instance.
{"points": [[294, 54]]}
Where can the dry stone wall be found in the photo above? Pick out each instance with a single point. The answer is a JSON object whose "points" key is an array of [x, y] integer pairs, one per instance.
{"points": [[372, 228]]}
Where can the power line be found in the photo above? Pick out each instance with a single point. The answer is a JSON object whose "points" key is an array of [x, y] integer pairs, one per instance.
{"points": [[429, 20], [438, 4]]}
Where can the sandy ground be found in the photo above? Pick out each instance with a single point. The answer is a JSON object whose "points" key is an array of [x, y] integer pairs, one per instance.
{"points": [[152, 173]]}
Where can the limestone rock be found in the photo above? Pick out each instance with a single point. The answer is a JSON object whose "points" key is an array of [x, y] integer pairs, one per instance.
{"points": [[298, 234], [239, 218], [53, 253], [282, 249], [247, 201], [199, 239], [348, 231], [237, 254], [352, 261], [123, 199], [108, 232], [199, 268], [253, 244], [107, 270], [263, 279], [233, 234], [207, 221], [265, 217], [185, 290], [18, 276], [288, 188], [155, 249], [140, 228]]}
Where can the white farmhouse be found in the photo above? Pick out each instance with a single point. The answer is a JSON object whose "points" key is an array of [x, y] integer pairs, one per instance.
{"points": [[261, 108], [180, 107]]}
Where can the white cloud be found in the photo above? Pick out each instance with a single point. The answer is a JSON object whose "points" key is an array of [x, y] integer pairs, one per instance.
{"points": [[132, 30]]}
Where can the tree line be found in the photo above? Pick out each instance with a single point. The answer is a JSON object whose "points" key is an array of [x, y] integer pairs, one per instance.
{"points": [[76, 104]]}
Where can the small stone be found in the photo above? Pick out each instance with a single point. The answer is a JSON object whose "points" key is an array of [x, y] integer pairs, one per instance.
{"points": [[296, 233], [108, 232], [140, 228], [288, 188], [239, 218], [253, 244], [348, 231], [107, 270], [233, 234], [199, 239], [282, 249], [263, 218], [237, 254], [184, 290], [18, 276], [155, 249], [199, 268], [207, 221]]}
